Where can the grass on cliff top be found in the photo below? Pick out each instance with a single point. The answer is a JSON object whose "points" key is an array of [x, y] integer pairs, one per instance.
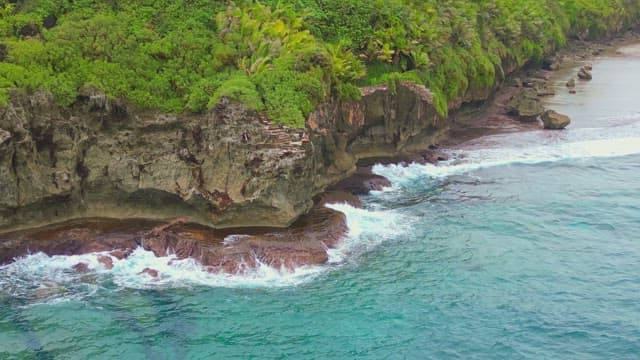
{"points": [[282, 57]]}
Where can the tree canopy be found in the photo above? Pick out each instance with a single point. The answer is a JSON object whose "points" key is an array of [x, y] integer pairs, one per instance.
{"points": [[282, 57]]}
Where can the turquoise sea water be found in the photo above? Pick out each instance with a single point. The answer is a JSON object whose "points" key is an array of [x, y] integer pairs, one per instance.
{"points": [[523, 246]]}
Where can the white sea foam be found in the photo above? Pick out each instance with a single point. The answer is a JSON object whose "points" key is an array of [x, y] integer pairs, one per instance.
{"points": [[367, 229], [52, 278], [522, 148]]}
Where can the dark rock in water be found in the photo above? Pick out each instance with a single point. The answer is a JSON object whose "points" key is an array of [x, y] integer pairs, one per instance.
{"points": [[362, 183], [588, 67], [571, 83], [555, 121], [81, 267], [584, 74], [106, 261], [120, 253], [525, 105], [572, 91], [429, 156], [151, 272]]}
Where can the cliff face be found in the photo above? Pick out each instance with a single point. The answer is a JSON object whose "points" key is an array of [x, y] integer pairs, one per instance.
{"points": [[228, 168]]}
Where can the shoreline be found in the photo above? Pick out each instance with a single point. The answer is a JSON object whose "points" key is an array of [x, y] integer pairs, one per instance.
{"points": [[304, 243]]}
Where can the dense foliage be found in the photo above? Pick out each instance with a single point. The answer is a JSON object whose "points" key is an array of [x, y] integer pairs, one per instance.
{"points": [[281, 57]]}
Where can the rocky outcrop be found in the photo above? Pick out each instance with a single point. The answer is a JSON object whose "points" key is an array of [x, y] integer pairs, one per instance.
{"points": [[230, 251], [525, 105], [227, 168], [555, 121], [585, 73]]}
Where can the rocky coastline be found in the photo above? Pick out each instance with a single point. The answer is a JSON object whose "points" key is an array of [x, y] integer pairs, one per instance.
{"points": [[229, 188]]}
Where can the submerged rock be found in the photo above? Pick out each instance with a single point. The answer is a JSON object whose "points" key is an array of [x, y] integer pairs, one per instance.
{"points": [[555, 121], [149, 271], [81, 267], [106, 261], [571, 83], [545, 91]]}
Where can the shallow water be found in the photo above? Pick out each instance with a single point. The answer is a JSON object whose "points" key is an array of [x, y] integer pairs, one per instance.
{"points": [[523, 246]]}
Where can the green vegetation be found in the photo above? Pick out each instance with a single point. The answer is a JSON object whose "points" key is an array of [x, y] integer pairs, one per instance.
{"points": [[282, 57]]}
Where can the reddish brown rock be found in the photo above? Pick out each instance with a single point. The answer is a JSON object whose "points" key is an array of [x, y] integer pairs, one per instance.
{"points": [[106, 261], [151, 272], [230, 250], [81, 267], [74, 238], [240, 250], [120, 253]]}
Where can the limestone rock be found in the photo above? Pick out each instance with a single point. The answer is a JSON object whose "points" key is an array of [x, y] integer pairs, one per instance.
{"points": [[555, 121], [525, 105], [584, 74], [81, 267], [515, 82], [149, 271], [228, 168]]}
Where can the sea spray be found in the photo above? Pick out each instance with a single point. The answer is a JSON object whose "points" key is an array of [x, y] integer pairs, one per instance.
{"points": [[522, 148], [53, 278]]}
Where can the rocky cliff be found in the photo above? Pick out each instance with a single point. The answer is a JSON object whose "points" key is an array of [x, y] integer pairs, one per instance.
{"points": [[230, 167]]}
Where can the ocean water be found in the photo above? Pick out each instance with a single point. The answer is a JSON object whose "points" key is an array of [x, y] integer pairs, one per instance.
{"points": [[522, 246]]}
